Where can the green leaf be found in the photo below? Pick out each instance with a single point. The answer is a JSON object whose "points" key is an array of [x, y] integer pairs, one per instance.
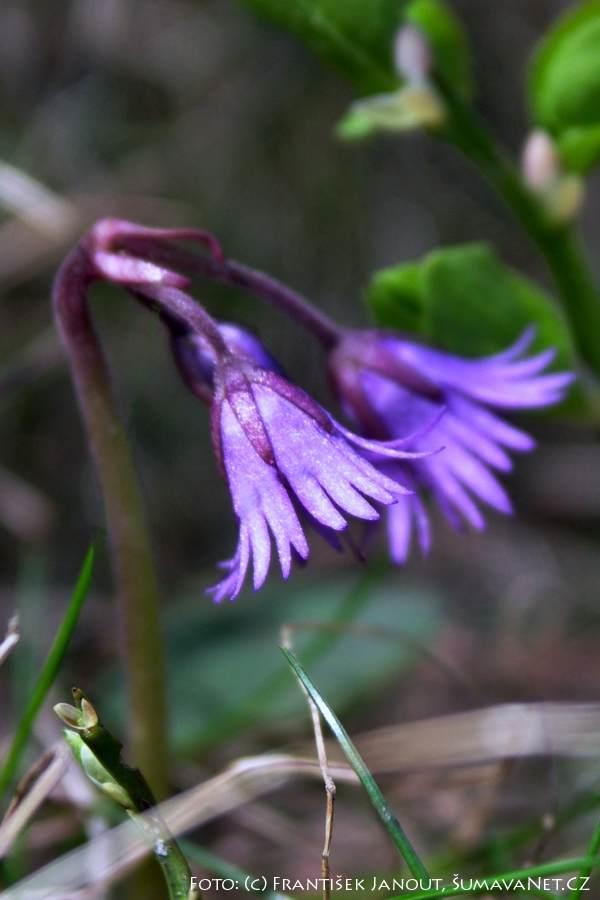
{"points": [[390, 822], [478, 306], [465, 300], [445, 34], [564, 83], [396, 297], [579, 148], [356, 36]]}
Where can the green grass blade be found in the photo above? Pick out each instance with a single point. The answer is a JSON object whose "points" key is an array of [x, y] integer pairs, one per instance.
{"points": [[48, 674], [390, 822], [586, 871], [218, 866], [486, 884]]}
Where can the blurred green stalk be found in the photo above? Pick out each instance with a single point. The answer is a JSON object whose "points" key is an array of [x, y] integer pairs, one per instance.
{"points": [[132, 556], [558, 242]]}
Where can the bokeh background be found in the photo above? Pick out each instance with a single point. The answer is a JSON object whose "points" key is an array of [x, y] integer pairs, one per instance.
{"points": [[176, 112]]}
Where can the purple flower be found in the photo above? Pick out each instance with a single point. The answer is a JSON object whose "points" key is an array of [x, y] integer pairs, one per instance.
{"points": [[281, 454], [392, 386]]}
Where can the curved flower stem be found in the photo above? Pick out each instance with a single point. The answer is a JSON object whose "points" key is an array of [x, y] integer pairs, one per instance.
{"points": [[558, 242], [284, 298], [174, 304], [132, 557], [230, 272]]}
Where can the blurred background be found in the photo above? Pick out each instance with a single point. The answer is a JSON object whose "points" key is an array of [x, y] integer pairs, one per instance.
{"points": [[176, 112]]}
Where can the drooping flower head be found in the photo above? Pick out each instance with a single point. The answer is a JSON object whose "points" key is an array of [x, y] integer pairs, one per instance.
{"points": [[280, 452], [392, 386], [283, 456]]}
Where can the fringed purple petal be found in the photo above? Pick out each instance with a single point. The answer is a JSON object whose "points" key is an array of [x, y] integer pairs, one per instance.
{"points": [[346, 497], [450, 493], [522, 343], [502, 380], [456, 428], [231, 585], [384, 449], [260, 545], [286, 529], [404, 519], [524, 368], [314, 499], [262, 504], [477, 478], [533, 393], [491, 425], [321, 467]]}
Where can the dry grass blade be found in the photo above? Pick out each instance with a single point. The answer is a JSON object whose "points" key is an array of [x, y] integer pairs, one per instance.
{"points": [[464, 739], [286, 640], [11, 639], [33, 202], [389, 821], [123, 846], [480, 736], [32, 791]]}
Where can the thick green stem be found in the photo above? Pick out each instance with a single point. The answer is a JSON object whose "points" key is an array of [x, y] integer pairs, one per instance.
{"points": [[132, 557], [558, 242]]}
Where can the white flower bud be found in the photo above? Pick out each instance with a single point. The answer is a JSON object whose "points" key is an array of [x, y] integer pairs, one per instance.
{"points": [[412, 58], [539, 161]]}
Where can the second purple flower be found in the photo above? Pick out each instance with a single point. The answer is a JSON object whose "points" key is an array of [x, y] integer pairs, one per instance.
{"points": [[391, 386]]}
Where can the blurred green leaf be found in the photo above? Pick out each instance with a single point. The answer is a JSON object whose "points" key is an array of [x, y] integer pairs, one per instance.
{"points": [[477, 305], [396, 298], [353, 35], [564, 84], [226, 658], [579, 148], [445, 34], [466, 301]]}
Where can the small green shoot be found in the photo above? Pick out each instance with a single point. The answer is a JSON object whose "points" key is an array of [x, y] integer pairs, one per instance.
{"points": [[99, 755]]}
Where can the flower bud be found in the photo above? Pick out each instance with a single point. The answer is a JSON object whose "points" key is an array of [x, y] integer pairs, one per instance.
{"points": [[412, 58], [443, 41], [539, 161], [69, 715], [560, 193]]}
